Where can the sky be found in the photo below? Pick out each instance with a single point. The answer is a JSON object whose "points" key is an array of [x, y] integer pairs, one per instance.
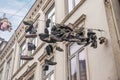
{"points": [[15, 11]]}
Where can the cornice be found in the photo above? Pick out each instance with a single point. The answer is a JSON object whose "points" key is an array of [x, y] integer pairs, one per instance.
{"points": [[8, 46]]}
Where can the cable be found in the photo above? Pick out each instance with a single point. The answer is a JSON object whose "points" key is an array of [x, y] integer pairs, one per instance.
{"points": [[21, 8], [12, 14], [100, 30]]}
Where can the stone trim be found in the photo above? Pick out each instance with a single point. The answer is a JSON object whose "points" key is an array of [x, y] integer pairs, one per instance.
{"points": [[2, 63], [19, 70], [28, 70], [8, 46], [47, 5], [10, 54]]}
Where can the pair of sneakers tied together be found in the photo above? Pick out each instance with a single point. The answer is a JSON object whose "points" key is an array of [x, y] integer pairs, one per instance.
{"points": [[32, 34]]}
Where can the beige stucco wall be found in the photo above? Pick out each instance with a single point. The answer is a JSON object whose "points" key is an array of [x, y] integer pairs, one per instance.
{"points": [[100, 62]]}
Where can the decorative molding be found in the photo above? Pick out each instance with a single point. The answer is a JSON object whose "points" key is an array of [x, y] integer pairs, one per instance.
{"points": [[80, 20], [42, 57], [30, 68], [19, 69], [8, 46], [2, 63], [22, 37], [47, 5], [10, 53]]}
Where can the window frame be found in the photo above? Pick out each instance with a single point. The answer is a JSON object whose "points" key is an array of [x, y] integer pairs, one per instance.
{"points": [[51, 11], [8, 69], [73, 4], [44, 76], [70, 57], [22, 52]]}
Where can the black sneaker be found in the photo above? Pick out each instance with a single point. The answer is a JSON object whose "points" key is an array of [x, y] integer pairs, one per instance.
{"points": [[102, 40], [50, 62], [45, 67], [49, 49], [59, 49], [48, 23]]}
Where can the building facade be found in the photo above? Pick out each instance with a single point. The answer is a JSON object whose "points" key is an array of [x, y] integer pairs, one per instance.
{"points": [[74, 63]]}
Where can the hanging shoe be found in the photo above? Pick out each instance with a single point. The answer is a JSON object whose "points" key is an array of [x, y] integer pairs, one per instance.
{"points": [[31, 46], [28, 22], [50, 62], [31, 36], [45, 67], [48, 23], [59, 49], [46, 31], [102, 40], [49, 49], [94, 44], [26, 57]]}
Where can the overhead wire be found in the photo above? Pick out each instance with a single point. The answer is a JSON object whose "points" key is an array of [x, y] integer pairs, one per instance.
{"points": [[100, 30], [15, 14], [20, 8]]}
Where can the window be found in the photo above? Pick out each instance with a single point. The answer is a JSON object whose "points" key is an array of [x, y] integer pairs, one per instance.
{"points": [[34, 41], [49, 74], [22, 52], [72, 4], [1, 75], [7, 72], [51, 15], [77, 62]]}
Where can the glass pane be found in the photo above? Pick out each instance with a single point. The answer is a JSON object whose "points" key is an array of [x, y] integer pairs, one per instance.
{"points": [[51, 12], [82, 65], [52, 77], [70, 5], [51, 68], [22, 47], [73, 69], [47, 78], [77, 1], [73, 48], [21, 61], [51, 15]]}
